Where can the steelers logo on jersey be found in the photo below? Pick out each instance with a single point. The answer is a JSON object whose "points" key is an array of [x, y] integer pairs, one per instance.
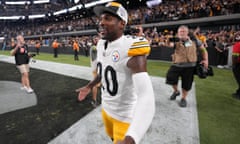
{"points": [[115, 56]]}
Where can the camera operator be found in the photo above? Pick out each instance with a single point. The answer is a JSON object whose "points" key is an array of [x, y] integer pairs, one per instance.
{"points": [[184, 61], [22, 57], [135, 31], [138, 31]]}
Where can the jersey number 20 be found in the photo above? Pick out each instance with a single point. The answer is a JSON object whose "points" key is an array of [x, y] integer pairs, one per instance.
{"points": [[109, 71]]}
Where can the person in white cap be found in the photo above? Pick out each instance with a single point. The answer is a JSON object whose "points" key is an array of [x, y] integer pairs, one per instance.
{"points": [[128, 103]]}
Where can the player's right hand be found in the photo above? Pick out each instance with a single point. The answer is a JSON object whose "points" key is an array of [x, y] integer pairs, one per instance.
{"points": [[83, 92]]}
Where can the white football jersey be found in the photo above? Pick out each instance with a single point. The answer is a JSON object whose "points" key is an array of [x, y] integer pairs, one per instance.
{"points": [[118, 95]]}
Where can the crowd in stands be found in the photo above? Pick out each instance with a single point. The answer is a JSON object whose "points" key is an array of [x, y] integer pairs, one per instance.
{"points": [[170, 10], [173, 10], [35, 9]]}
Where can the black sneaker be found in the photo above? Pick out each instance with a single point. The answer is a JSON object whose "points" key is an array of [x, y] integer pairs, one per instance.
{"points": [[94, 103], [183, 103], [174, 95]]}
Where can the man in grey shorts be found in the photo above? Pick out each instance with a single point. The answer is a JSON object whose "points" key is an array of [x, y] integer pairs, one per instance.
{"points": [[22, 57]]}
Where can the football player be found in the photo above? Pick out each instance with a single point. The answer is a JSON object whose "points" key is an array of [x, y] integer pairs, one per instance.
{"points": [[128, 103]]}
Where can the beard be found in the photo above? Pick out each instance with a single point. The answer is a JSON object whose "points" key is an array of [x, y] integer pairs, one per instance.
{"points": [[109, 36]]}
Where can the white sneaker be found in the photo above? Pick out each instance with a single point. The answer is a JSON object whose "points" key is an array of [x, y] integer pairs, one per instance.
{"points": [[29, 90], [226, 66], [23, 88], [220, 66]]}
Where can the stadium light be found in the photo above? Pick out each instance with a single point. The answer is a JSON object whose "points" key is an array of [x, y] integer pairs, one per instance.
{"points": [[152, 3], [36, 16], [88, 5], [60, 12], [17, 2], [75, 8], [26, 2], [10, 17], [41, 1], [76, 1]]}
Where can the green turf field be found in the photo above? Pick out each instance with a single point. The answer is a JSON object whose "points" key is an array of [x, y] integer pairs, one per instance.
{"points": [[218, 111]]}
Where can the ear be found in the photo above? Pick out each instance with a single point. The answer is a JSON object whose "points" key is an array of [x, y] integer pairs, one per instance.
{"points": [[122, 24]]}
